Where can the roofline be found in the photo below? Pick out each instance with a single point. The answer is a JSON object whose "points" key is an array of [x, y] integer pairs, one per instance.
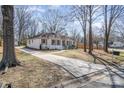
{"points": [[40, 35]]}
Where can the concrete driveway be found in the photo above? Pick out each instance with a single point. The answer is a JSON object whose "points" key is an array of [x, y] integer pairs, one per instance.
{"points": [[86, 74]]}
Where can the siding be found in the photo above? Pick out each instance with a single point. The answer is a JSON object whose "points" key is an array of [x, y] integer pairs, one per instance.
{"points": [[36, 44]]}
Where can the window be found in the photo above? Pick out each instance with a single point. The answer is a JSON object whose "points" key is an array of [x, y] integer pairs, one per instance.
{"points": [[58, 42], [67, 42], [29, 42], [63, 42], [43, 41], [73, 42], [53, 42], [70, 43]]}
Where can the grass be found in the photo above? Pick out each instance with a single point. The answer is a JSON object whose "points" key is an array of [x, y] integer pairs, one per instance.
{"points": [[76, 53], [34, 72], [121, 57], [122, 54], [80, 54]]}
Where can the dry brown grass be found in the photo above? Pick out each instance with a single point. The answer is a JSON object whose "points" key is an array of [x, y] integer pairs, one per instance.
{"points": [[34, 72], [76, 53], [108, 56], [80, 54]]}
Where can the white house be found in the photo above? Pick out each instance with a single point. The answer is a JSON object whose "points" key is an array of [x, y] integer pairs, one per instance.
{"points": [[16, 42], [50, 41], [101, 44], [117, 45]]}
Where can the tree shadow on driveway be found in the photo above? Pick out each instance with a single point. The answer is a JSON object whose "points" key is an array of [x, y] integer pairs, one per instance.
{"points": [[109, 67]]}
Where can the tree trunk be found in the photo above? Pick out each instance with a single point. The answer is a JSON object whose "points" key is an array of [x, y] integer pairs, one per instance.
{"points": [[106, 30], [84, 29], [19, 40], [0, 41], [90, 31], [106, 44], [85, 42], [19, 43], [9, 58], [97, 46]]}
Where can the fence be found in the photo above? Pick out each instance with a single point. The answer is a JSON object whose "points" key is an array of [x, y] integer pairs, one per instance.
{"points": [[80, 45]]}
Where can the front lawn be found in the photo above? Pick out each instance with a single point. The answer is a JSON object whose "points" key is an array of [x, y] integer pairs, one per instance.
{"points": [[80, 54], [76, 53], [33, 72], [120, 57]]}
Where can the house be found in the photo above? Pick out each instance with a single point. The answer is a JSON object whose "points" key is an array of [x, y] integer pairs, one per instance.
{"points": [[101, 44], [50, 41], [16, 42], [117, 44]]}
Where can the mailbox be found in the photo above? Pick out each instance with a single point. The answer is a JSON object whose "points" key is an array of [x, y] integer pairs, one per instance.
{"points": [[116, 53]]}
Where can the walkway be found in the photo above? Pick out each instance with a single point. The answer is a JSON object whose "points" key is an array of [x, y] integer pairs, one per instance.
{"points": [[79, 69]]}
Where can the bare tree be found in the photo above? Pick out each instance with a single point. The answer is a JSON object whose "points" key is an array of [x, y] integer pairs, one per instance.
{"points": [[96, 40], [111, 14], [75, 35], [9, 58], [22, 22], [80, 13], [0, 27], [92, 10], [33, 28], [54, 21], [86, 15], [97, 36], [120, 30]]}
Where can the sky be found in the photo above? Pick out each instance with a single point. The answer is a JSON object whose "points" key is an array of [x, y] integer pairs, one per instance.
{"points": [[39, 10]]}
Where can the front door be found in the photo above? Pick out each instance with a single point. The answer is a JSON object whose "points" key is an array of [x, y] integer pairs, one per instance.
{"points": [[40, 46]]}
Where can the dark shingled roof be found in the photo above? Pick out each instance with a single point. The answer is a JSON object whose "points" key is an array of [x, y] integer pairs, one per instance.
{"points": [[49, 34]]}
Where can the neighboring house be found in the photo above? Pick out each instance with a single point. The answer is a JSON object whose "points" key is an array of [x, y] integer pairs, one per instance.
{"points": [[16, 42], [117, 45], [50, 41], [101, 44]]}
